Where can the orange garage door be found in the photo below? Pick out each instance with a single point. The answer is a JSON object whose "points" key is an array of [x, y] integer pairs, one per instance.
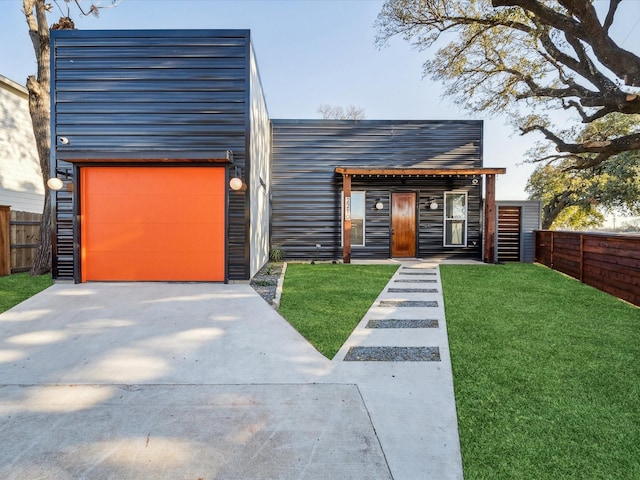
{"points": [[153, 223]]}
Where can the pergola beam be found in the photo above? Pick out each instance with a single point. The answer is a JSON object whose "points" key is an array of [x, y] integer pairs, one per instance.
{"points": [[419, 171]]}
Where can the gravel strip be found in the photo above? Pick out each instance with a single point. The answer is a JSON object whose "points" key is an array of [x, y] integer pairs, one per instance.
{"points": [[393, 354], [412, 290], [403, 323], [416, 273], [265, 282], [407, 303], [413, 280]]}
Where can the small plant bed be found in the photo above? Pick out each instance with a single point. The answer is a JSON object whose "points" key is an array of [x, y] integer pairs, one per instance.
{"points": [[546, 374], [325, 302], [18, 287], [265, 281]]}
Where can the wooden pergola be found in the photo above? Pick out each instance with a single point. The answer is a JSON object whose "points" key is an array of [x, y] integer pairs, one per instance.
{"points": [[489, 204]]}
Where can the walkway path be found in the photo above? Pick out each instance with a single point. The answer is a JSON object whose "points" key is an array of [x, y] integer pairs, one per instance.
{"points": [[399, 358]]}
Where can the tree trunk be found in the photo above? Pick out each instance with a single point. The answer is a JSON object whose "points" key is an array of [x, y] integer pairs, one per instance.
{"points": [[40, 117], [39, 105], [555, 206], [42, 260]]}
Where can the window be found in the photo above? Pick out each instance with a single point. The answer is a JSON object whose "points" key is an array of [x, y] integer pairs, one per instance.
{"points": [[357, 218], [455, 219]]}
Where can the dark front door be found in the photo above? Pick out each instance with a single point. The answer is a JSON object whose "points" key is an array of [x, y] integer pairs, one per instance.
{"points": [[403, 224]]}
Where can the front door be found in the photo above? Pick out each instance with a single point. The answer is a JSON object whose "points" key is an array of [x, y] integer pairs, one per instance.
{"points": [[403, 224]]}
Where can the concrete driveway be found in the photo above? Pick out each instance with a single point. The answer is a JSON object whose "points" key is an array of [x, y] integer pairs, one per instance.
{"points": [[193, 381]]}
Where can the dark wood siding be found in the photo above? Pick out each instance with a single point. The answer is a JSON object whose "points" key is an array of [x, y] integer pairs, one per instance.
{"points": [[148, 94], [307, 192]]}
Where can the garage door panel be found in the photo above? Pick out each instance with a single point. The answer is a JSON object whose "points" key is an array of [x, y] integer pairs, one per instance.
{"points": [[110, 237], [156, 223], [162, 208], [152, 180], [151, 266]]}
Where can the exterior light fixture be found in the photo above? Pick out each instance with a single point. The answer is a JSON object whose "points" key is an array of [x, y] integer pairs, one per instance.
{"points": [[379, 205], [55, 183], [474, 181], [236, 182], [433, 205]]}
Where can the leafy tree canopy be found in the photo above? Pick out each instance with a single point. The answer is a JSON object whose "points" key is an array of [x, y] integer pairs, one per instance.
{"points": [[524, 57], [576, 198]]}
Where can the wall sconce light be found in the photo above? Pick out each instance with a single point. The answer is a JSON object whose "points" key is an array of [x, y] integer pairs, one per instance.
{"points": [[434, 204], [379, 205], [63, 140], [236, 182], [55, 183], [474, 181]]}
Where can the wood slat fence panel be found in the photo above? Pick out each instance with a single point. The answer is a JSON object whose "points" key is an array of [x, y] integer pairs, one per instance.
{"points": [[5, 250], [608, 262], [24, 235]]}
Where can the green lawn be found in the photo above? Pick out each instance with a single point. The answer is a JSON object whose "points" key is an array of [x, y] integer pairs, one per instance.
{"points": [[546, 375], [20, 286], [325, 302]]}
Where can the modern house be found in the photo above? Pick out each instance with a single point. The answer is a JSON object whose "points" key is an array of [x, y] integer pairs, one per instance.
{"points": [[172, 169], [21, 185]]}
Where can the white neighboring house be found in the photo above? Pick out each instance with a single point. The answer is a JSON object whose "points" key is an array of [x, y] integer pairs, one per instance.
{"points": [[21, 185]]}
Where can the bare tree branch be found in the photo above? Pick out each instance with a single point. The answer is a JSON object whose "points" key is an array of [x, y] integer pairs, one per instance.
{"points": [[608, 21], [584, 25]]}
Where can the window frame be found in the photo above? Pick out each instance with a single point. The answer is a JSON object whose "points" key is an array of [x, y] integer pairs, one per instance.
{"points": [[450, 219]]}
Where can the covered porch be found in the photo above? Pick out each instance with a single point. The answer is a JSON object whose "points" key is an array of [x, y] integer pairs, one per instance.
{"points": [[464, 184]]}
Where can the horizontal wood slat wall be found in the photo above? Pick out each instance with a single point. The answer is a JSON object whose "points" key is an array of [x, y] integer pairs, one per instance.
{"points": [[608, 262], [509, 231]]}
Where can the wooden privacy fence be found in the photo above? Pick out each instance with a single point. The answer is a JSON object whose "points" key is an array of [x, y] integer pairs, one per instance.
{"points": [[19, 234], [608, 262]]}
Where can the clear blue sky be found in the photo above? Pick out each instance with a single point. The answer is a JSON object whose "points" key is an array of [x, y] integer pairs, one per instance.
{"points": [[310, 52]]}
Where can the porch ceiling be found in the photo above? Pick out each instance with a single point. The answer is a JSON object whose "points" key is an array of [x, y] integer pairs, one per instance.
{"points": [[417, 172]]}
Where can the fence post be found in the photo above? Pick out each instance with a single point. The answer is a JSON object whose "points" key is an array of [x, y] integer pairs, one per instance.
{"points": [[5, 240], [581, 257], [552, 246]]}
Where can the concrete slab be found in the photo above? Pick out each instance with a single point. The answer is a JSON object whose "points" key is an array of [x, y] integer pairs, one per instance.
{"points": [[157, 380], [115, 333], [188, 431]]}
